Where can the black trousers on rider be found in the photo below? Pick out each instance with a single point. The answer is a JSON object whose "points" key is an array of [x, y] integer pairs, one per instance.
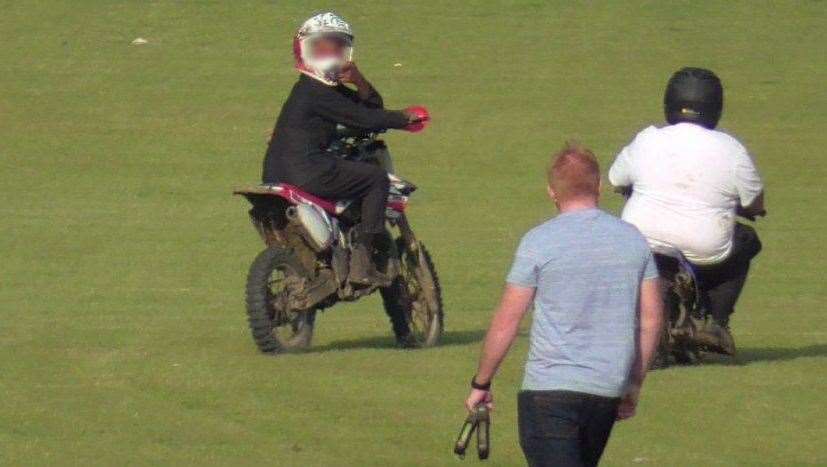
{"points": [[721, 284], [356, 180]]}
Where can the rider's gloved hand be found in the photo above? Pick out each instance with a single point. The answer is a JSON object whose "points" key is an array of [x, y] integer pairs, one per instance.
{"points": [[418, 118]]}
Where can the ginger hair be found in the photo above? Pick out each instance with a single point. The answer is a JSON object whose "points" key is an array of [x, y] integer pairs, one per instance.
{"points": [[574, 173]]}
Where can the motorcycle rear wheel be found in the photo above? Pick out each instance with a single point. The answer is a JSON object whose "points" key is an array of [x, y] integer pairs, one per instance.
{"points": [[677, 340], [273, 327]]}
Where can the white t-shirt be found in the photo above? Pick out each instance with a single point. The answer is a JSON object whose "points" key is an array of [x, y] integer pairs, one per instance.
{"points": [[688, 181]]}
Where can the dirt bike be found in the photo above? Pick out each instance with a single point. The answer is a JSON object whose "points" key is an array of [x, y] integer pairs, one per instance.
{"points": [[304, 268], [690, 331]]}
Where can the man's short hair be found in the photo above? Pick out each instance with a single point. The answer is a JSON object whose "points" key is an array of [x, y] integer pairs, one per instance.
{"points": [[574, 173]]}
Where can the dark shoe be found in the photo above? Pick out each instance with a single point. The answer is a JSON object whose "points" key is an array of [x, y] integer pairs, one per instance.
{"points": [[408, 341], [363, 270], [716, 338]]}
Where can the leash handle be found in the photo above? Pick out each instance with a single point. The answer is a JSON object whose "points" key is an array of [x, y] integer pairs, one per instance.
{"points": [[464, 436], [483, 433], [478, 421]]}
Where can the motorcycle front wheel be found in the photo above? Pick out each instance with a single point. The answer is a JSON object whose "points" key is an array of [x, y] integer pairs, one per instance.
{"points": [[274, 327], [416, 294]]}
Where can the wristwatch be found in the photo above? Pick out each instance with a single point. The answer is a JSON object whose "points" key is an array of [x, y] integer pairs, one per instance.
{"points": [[478, 386]]}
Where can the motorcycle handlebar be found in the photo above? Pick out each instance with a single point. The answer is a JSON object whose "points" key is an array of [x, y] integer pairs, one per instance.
{"points": [[349, 132]]}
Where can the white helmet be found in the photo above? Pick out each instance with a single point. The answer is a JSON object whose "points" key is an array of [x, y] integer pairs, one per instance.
{"points": [[324, 69]]}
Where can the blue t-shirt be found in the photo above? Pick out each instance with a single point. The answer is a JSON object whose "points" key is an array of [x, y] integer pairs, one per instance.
{"points": [[587, 267]]}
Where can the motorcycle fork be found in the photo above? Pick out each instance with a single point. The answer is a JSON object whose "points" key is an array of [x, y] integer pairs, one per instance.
{"points": [[407, 234]]}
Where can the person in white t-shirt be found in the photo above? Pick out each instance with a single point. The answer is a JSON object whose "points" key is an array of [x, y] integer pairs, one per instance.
{"points": [[686, 183]]}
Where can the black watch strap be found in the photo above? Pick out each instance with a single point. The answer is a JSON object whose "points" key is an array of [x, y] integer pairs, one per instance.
{"points": [[478, 386]]}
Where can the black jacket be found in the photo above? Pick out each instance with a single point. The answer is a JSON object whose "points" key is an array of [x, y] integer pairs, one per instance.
{"points": [[307, 125]]}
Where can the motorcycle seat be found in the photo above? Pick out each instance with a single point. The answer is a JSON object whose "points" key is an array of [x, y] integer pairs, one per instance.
{"points": [[296, 195], [292, 194]]}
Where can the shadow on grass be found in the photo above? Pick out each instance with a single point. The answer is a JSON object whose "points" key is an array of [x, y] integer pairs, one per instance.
{"points": [[749, 355], [771, 354], [449, 338]]}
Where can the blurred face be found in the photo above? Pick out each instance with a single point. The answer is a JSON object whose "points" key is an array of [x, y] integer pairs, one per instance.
{"points": [[331, 46]]}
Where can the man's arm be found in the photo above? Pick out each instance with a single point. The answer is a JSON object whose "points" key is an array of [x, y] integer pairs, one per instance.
{"points": [[333, 106], [748, 186], [651, 326], [620, 173], [501, 334], [513, 306]]}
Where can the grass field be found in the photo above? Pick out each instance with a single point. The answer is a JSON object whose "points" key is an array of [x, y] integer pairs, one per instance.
{"points": [[123, 339]]}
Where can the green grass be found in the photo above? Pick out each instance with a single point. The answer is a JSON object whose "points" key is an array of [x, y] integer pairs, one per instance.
{"points": [[123, 338]]}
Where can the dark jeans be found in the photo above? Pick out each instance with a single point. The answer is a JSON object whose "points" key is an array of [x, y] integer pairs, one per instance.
{"points": [[563, 428], [356, 180], [721, 284]]}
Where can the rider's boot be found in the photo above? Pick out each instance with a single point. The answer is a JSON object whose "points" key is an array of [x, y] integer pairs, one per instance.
{"points": [[717, 338], [362, 268], [407, 341]]}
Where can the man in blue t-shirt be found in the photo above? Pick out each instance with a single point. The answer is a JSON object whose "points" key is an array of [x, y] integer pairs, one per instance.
{"points": [[597, 321]]}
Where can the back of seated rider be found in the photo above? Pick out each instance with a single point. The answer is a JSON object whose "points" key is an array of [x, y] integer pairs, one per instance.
{"points": [[688, 182]]}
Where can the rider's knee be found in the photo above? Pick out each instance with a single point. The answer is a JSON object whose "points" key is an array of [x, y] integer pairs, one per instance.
{"points": [[747, 242]]}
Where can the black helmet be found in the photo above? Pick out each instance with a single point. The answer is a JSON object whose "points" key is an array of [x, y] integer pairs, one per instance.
{"points": [[694, 95]]}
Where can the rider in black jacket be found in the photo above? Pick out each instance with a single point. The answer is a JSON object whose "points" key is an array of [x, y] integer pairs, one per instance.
{"points": [[307, 125]]}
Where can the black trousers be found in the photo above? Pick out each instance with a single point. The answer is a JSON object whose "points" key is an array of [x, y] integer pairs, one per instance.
{"points": [[356, 180], [563, 428], [721, 284]]}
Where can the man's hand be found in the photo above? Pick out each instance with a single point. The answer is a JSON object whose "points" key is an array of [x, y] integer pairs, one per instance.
{"points": [[478, 397], [750, 215], [755, 209], [628, 405], [350, 74]]}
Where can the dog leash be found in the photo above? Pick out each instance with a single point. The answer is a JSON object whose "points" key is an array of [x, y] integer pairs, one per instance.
{"points": [[479, 421]]}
